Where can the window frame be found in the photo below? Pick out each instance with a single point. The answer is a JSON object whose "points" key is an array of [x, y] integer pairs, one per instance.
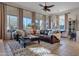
{"points": [[61, 24], [26, 25], [10, 18]]}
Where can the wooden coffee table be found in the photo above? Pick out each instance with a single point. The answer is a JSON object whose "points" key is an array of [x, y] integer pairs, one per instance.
{"points": [[34, 38]]}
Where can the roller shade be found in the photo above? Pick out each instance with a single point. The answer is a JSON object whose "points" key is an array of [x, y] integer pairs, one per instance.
{"points": [[27, 14], [39, 16], [12, 11]]}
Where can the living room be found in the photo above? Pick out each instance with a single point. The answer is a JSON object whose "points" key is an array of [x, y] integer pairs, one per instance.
{"points": [[39, 28]]}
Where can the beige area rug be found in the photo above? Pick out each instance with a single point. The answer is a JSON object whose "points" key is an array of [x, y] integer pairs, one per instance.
{"points": [[43, 49], [44, 44]]}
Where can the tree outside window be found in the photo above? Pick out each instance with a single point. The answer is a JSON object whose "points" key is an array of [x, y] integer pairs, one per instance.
{"points": [[12, 22], [27, 23]]}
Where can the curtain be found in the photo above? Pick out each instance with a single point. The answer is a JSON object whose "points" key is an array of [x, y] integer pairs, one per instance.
{"points": [[33, 17], [41, 19], [57, 20], [49, 22], [2, 21], [20, 18], [66, 22], [44, 21]]}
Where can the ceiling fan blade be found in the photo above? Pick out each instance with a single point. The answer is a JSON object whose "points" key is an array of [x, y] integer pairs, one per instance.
{"points": [[48, 9], [50, 6], [41, 5], [44, 9]]}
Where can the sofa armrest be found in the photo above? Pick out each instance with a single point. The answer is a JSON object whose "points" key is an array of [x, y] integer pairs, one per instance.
{"points": [[58, 35], [54, 39]]}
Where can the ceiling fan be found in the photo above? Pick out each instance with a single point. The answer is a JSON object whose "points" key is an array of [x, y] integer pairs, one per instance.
{"points": [[45, 7]]}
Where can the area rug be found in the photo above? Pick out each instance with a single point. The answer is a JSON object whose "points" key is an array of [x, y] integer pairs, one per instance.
{"points": [[41, 51]]}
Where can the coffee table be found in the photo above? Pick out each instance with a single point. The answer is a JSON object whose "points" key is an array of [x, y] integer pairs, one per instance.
{"points": [[34, 38]]}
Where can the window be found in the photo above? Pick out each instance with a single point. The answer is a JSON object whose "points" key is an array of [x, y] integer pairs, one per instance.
{"points": [[11, 22], [62, 22], [47, 23], [41, 24], [37, 23], [27, 22], [52, 24]]}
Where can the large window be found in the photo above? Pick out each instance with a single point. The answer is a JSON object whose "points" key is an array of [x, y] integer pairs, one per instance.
{"points": [[27, 22], [47, 22], [62, 22], [41, 24], [12, 22], [37, 23]]}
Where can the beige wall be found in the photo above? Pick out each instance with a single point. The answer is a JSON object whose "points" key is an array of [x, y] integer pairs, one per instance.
{"points": [[74, 15]]}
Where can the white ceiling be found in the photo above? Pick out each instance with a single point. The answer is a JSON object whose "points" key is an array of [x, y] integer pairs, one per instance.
{"points": [[58, 8]]}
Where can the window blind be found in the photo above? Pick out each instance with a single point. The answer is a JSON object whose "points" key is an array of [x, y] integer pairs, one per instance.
{"points": [[12, 11], [27, 14]]}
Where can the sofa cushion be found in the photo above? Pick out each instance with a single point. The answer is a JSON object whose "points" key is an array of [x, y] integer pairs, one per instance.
{"points": [[44, 32]]}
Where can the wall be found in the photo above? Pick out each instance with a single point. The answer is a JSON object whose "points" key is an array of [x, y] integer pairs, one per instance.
{"points": [[16, 12], [74, 15]]}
